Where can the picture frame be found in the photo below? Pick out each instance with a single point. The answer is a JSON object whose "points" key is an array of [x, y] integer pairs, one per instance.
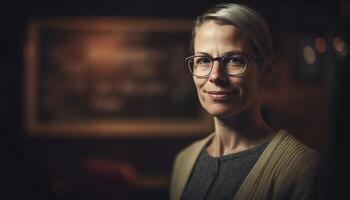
{"points": [[110, 76]]}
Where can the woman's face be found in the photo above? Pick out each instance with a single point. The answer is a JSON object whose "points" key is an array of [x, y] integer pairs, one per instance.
{"points": [[220, 94]]}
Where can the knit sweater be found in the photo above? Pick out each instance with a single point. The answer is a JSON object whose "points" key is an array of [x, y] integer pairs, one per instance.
{"points": [[287, 169]]}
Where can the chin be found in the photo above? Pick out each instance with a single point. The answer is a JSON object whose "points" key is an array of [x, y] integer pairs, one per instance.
{"points": [[222, 111]]}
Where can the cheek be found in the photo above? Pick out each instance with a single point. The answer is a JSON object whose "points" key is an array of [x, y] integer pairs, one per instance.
{"points": [[199, 83], [250, 89], [247, 88]]}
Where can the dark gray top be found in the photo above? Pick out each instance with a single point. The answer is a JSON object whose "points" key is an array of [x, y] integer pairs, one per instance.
{"points": [[220, 177]]}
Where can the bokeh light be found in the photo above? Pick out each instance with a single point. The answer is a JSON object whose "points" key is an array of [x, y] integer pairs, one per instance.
{"points": [[309, 55], [340, 47], [320, 45]]}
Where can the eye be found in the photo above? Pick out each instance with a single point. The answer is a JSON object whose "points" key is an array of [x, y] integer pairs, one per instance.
{"points": [[235, 60], [202, 60]]}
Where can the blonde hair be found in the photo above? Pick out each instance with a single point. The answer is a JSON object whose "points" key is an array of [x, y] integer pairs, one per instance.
{"points": [[246, 19]]}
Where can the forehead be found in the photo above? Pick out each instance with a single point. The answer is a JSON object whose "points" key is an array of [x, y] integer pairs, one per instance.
{"points": [[211, 36]]}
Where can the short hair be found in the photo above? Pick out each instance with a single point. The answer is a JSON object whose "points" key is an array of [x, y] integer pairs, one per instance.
{"points": [[246, 19]]}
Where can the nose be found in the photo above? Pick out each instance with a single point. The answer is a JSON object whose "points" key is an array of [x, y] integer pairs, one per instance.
{"points": [[217, 73]]}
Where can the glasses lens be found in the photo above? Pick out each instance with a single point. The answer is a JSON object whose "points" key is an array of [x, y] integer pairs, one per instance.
{"points": [[200, 65], [235, 64]]}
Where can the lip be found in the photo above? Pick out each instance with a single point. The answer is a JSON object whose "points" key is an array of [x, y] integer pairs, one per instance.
{"points": [[221, 94]]}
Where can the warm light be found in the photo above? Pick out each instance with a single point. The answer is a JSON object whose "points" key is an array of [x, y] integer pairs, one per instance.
{"points": [[320, 45], [340, 46], [309, 55]]}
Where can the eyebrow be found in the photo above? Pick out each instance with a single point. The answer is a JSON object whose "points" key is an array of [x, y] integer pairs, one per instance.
{"points": [[228, 52]]}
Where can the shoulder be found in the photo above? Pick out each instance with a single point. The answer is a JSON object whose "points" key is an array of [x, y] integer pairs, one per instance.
{"points": [[294, 150], [190, 153], [294, 157], [298, 169]]}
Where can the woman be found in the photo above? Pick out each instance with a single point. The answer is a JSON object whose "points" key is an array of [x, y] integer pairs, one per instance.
{"points": [[244, 158]]}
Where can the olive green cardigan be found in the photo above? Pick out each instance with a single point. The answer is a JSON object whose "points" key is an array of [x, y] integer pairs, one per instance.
{"points": [[287, 169]]}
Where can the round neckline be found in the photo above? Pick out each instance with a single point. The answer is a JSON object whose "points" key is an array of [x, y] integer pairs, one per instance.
{"points": [[236, 154]]}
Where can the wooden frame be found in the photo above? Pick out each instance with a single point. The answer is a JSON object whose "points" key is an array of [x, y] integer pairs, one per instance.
{"points": [[52, 72]]}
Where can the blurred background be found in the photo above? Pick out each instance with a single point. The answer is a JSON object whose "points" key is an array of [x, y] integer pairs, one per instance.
{"points": [[96, 100]]}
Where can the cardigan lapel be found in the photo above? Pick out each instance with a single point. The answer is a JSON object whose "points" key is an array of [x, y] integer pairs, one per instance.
{"points": [[249, 185], [188, 164]]}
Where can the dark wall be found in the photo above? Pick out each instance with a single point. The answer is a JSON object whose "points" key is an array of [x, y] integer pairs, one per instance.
{"points": [[25, 163]]}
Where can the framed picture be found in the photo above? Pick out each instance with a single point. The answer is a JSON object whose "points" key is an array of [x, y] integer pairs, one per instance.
{"points": [[110, 77]]}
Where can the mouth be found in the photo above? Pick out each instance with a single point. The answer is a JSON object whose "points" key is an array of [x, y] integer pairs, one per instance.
{"points": [[221, 94]]}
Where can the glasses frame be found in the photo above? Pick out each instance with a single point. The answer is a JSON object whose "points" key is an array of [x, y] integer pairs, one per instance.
{"points": [[220, 59]]}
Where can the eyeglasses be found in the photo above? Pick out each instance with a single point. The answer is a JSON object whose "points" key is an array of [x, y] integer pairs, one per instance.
{"points": [[234, 64]]}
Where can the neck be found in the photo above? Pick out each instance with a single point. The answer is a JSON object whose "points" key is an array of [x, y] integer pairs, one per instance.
{"points": [[239, 133]]}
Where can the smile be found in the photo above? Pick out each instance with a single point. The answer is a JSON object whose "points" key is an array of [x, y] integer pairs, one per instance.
{"points": [[221, 95]]}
